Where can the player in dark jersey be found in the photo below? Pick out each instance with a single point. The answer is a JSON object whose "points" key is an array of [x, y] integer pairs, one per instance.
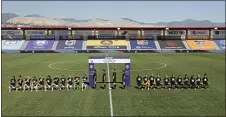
{"points": [[152, 81], [179, 82], [104, 78], [69, 83], [139, 81], [19, 83], [172, 81], [186, 81], [12, 84], [205, 81], [158, 82], [192, 82], [76, 82], [123, 79], [56, 81], [48, 85], [27, 85], [34, 84], [41, 84], [114, 76], [84, 81], [167, 82], [62, 83], [95, 79], [198, 82], [145, 82]]}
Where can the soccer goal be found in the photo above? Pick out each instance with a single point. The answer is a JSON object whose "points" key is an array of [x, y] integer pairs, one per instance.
{"points": [[108, 60]]}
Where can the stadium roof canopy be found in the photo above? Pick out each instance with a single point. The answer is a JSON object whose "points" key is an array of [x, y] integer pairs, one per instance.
{"points": [[109, 28]]}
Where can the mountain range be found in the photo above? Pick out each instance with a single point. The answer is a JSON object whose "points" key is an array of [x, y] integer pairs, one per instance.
{"points": [[34, 19]]}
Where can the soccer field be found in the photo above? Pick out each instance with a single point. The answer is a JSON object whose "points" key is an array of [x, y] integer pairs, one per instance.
{"points": [[129, 102]]}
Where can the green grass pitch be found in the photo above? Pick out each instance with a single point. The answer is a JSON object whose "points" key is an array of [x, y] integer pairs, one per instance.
{"points": [[129, 102]]}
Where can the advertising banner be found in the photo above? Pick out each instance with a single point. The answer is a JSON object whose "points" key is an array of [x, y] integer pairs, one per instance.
{"points": [[142, 44], [220, 43], [40, 45], [198, 32], [197, 37], [70, 44], [171, 44], [36, 32], [42, 37], [175, 32], [74, 37], [106, 44], [201, 44], [12, 44], [219, 32], [12, 32], [12, 37], [220, 37]]}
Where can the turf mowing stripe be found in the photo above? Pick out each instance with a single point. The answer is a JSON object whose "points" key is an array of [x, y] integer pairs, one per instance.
{"points": [[110, 96]]}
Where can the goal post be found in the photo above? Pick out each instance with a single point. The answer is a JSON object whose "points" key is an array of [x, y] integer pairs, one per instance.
{"points": [[108, 60]]}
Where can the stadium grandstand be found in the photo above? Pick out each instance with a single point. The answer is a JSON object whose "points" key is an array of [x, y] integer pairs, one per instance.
{"points": [[126, 39]]}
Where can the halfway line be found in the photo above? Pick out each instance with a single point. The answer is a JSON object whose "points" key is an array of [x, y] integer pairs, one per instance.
{"points": [[109, 85]]}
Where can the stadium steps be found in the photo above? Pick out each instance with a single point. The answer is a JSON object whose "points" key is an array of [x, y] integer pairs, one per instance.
{"points": [[186, 45], [128, 45], [55, 45], [24, 45], [157, 45], [84, 45]]}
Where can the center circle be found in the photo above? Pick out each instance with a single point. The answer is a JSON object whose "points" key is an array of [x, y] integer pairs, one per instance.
{"points": [[53, 65]]}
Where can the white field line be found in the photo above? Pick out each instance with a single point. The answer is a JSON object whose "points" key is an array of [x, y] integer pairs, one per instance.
{"points": [[61, 69], [109, 85]]}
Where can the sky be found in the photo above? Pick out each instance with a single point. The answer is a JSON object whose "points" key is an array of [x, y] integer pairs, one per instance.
{"points": [[142, 11]]}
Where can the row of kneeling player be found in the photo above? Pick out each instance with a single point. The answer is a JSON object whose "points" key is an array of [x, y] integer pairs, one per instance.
{"points": [[47, 84], [154, 82]]}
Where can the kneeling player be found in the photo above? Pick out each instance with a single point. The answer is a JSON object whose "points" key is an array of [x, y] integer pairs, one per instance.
{"points": [[27, 85], [84, 82], [19, 84], [62, 83], [198, 82], [34, 84], [145, 83], [139, 81], [166, 82], [48, 85], [55, 83], [172, 82], [186, 81], [41, 83], [179, 82], [152, 81], [158, 82], [192, 82], [69, 83], [12, 84], [76, 82], [205, 82]]}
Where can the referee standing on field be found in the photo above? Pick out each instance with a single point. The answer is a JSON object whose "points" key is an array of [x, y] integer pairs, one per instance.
{"points": [[114, 78], [95, 79]]}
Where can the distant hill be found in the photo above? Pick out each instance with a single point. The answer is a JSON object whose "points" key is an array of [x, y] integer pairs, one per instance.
{"points": [[35, 19], [7, 16]]}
